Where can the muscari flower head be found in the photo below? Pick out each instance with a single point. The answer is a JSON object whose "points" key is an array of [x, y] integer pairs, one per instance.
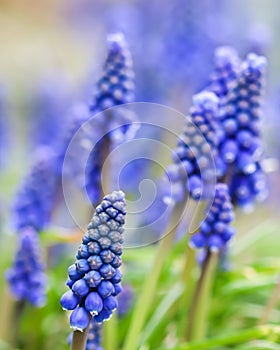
{"points": [[115, 87], [35, 198], [224, 76], [240, 147], [26, 277], [95, 279], [215, 231], [194, 168]]}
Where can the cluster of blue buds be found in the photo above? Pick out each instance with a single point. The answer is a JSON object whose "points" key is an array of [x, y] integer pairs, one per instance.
{"points": [[196, 151], [116, 86], [224, 76], [26, 277], [215, 231], [35, 198], [240, 147], [95, 278]]}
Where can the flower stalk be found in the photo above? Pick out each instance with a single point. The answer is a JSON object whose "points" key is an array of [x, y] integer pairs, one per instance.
{"points": [[196, 326], [145, 298]]}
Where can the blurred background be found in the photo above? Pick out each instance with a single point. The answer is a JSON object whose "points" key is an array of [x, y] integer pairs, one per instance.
{"points": [[52, 54]]}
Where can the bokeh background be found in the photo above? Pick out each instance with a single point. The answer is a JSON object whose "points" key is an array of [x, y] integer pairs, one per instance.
{"points": [[52, 54]]}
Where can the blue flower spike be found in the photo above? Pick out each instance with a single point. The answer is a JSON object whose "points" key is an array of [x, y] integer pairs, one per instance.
{"points": [[196, 151], [240, 147], [224, 77], [215, 232], [95, 275], [26, 277]]}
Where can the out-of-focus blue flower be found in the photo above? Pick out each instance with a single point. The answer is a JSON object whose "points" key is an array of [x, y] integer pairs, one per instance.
{"points": [[36, 196], [194, 168], [94, 279], [48, 108], [226, 69], [215, 231], [115, 87], [26, 277], [240, 148], [125, 300]]}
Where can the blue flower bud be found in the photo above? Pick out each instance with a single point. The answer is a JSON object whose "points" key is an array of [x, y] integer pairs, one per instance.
{"points": [[79, 319], [110, 303], [106, 288], [93, 278], [69, 300], [107, 271], [93, 303], [95, 262], [82, 266], [80, 287]]}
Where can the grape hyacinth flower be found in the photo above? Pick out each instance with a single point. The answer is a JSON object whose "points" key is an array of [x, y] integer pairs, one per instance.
{"points": [[115, 87], [215, 231], [224, 76], [35, 198], [194, 168], [95, 278], [240, 148], [26, 277]]}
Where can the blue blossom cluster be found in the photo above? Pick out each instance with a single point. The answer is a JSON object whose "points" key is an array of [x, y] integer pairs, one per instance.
{"points": [[240, 147], [226, 69], [35, 198], [194, 156], [116, 86], [95, 279], [26, 277], [215, 231]]}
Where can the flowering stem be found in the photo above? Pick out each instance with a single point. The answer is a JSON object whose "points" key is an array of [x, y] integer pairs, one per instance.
{"points": [[146, 296], [196, 326], [17, 317], [79, 339], [271, 304]]}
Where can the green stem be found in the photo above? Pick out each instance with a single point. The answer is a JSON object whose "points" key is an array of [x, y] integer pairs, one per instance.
{"points": [[110, 333], [17, 318], [259, 332], [196, 325], [7, 309], [188, 279], [79, 340], [146, 296], [271, 304]]}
